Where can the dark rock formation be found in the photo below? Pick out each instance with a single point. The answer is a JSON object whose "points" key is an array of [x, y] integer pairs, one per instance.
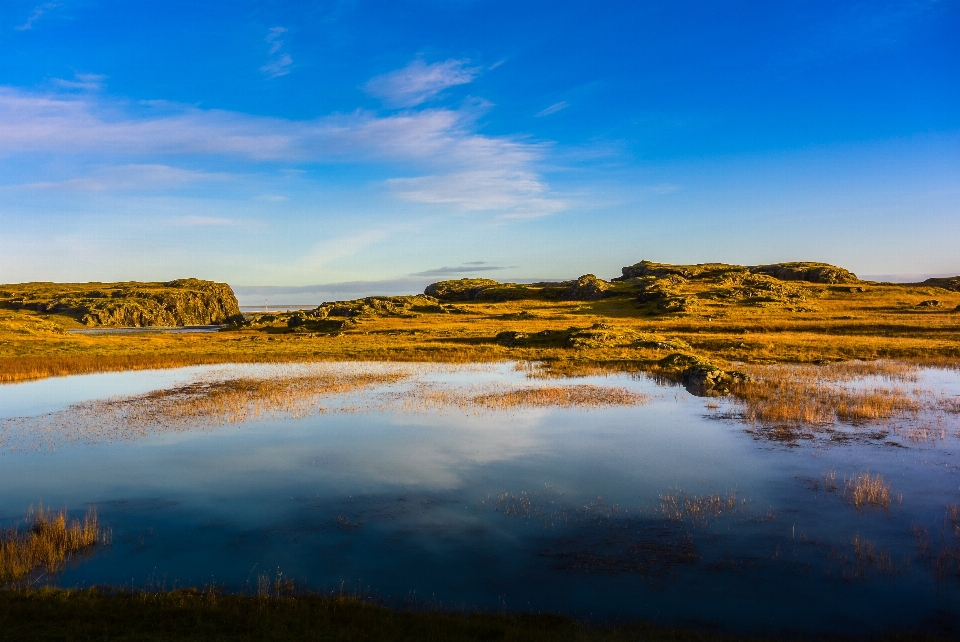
{"points": [[700, 377]]}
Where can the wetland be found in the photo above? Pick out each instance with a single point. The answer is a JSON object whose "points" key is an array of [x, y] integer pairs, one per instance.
{"points": [[608, 498], [767, 450]]}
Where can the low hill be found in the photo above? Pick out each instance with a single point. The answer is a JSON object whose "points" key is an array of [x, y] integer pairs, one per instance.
{"points": [[128, 304]]}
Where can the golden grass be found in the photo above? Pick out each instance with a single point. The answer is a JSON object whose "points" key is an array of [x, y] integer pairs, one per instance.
{"points": [[867, 491], [292, 392], [867, 558], [677, 505], [49, 541], [881, 323], [233, 395], [822, 395], [578, 396]]}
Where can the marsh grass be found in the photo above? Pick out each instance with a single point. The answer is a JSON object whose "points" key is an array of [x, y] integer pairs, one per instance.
{"points": [[237, 394], [217, 399], [575, 396], [787, 402], [49, 540], [867, 560], [942, 555], [867, 491], [834, 324], [679, 506]]}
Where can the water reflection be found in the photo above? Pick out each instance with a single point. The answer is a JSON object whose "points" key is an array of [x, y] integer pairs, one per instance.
{"points": [[669, 510]]}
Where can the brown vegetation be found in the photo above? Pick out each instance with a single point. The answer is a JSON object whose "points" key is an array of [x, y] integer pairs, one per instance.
{"points": [[677, 506], [49, 541], [560, 397], [722, 314], [822, 395], [867, 491]]}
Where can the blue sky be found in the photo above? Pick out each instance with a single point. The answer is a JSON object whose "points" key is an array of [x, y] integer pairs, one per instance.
{"points": [[377, 146]]}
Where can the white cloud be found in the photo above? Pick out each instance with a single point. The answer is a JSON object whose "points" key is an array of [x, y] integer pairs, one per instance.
{"points": [[129, 177], [36, 14], [81, 82], [418, 82], [552, 109], [280, 62], [439, 151], [193, 221], [513, 194]]}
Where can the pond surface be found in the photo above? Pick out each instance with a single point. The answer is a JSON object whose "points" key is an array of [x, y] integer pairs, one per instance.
{"points": [[670, 511]]}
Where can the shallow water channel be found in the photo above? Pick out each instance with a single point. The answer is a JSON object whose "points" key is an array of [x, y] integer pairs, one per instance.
{"points": [[576, 510]]}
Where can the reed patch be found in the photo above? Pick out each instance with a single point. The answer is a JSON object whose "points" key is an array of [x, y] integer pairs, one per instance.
{"points": [[48, 540]]}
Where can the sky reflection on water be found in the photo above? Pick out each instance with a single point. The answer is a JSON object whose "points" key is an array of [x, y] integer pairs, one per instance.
{"points": [[542, 509]]}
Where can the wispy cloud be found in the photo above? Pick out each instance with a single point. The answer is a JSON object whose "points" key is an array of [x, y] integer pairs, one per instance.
{"points": [[37, 13], [552, 109], [511, 193], [439, 153], [280, 61], [418, 82], [81, 82], [194, 221], [466, 268], [129, 177]]}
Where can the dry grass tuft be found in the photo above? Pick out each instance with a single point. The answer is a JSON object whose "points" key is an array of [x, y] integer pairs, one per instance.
{"points": [[867, 558], [560, 397], [238, 394], [49, 541], [823, 395], [297, 392], [677, 506], [867, 490]]}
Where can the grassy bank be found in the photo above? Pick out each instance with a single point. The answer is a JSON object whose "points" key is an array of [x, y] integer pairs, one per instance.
{"points": [[725, 315], [188, 615]]}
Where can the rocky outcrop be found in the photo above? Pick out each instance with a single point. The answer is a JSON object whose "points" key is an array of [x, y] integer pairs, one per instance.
{"points": [[951, 283], [811, 272], [458, 289], [131, 304], [378, 306], [700, 377], [800, 271], [660, 270], [587, 288]]}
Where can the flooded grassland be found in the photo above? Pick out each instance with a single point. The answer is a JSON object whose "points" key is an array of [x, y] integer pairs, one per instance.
{"points": [[823, 497]]}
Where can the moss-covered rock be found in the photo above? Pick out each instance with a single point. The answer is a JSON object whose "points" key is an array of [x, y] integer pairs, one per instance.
{"points": [[658, 342], [601, 335], [378, 306], [586, 288], [510, 338], [797, 271], [803, 271], [129, 304], [951, 283], [701, 377], [659, 270], [458, 289]]}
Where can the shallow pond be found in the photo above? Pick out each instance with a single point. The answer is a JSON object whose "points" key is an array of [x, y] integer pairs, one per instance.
{"points": [[672, 510]]}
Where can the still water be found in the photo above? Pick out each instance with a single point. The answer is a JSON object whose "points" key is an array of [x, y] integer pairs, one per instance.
{"points": [[559, 510]]}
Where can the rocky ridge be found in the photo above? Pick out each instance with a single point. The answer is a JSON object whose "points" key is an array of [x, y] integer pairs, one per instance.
{"points": [[130, 304]]}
